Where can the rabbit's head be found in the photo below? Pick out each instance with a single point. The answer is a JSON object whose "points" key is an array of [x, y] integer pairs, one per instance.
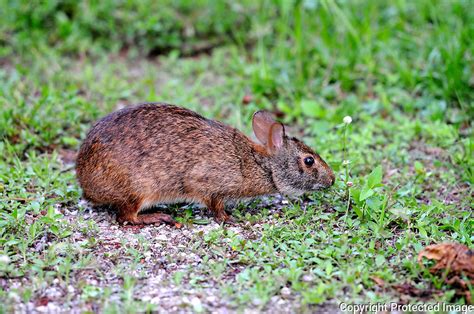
{"points": [[295, 167]]}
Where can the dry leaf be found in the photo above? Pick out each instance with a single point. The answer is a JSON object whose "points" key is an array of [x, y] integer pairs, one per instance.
{"points": [[247, 99], [379, 281], [455, 259]]}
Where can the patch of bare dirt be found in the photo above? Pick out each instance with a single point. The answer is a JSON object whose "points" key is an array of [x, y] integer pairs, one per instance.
{"points": [[166, 263], [67, 156]]}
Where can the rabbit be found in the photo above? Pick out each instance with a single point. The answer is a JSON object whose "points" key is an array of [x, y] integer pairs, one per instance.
{"points": [[155, 153]]}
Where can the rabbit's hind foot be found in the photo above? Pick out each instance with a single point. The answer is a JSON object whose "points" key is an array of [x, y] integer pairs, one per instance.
{"points": [[131, 216], [217, 207]]}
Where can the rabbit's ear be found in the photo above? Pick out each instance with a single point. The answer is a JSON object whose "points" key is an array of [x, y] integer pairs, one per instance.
{"points": [[262, 122], [277, 135]]}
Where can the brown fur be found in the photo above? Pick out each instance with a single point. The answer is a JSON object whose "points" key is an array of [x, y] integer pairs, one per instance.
{"points": [[153, 153]]}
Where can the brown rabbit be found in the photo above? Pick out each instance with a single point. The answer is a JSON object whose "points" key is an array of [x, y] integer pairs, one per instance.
{"points": [[158, 153]]}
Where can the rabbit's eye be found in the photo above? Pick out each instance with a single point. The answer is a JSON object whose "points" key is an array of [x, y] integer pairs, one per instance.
{"points": [[309, 161]]}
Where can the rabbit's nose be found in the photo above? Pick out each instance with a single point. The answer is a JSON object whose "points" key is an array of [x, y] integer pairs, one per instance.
{"points": [[331, 178]]}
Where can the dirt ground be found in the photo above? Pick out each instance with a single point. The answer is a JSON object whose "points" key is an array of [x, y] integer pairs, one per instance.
{"points": [[163, 253]]}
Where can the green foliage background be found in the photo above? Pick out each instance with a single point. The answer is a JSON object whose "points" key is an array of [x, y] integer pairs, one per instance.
{"points": [[402, 69]]}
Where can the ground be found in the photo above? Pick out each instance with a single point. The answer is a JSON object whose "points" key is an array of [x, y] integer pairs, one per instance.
{"points": [[404, 164]]}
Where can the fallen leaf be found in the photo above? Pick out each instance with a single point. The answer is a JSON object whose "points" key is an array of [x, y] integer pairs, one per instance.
{"points": [[247, 99], [454, 261], [456, 258], [42, 301], [379, 281]]}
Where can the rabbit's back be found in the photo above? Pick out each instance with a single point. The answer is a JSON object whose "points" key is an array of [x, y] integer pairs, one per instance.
{"points": [[158, 152]]}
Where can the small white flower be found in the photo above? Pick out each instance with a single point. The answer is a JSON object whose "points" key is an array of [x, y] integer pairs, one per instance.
{"points": [[4, 259], [70, 289], [347, 119], [285, 292], [345, 162], [350, 183]]}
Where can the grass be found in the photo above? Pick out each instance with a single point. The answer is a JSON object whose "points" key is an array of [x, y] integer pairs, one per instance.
{"points": [[403, 72]]}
